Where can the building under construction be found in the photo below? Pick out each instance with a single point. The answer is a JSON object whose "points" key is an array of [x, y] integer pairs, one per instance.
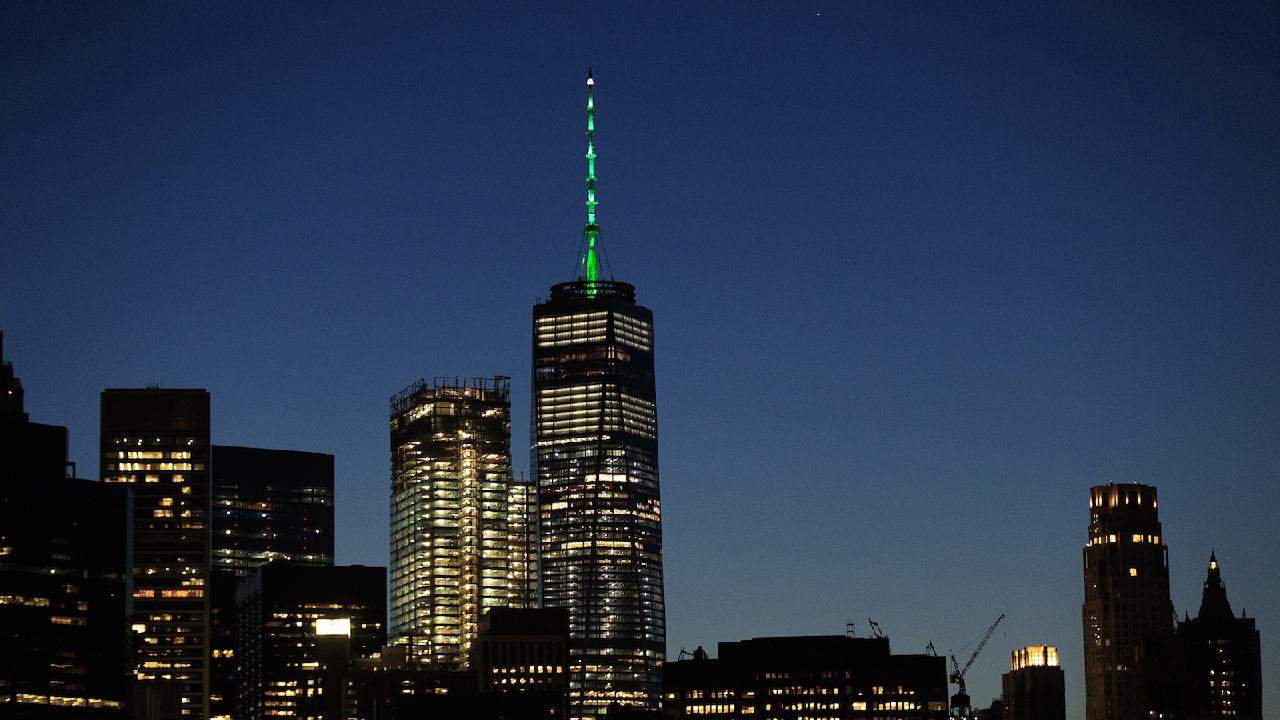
{"points": [[462, 528]]}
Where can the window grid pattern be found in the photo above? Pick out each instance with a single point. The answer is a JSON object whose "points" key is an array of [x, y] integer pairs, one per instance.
{"points": [[461, 538], [149, 443], [596, 462]]}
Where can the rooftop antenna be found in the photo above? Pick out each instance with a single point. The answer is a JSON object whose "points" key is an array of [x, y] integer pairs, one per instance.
{"points": [[589, 262]]}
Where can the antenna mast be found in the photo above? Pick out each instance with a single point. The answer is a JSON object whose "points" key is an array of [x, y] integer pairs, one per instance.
{"points": [[589, 262]]}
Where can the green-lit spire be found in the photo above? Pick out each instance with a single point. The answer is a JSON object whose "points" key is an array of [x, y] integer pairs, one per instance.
{"points": [[589, 262]]}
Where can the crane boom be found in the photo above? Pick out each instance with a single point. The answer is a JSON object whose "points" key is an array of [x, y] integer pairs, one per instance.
{"points": [[982, 644], [960, 705]]}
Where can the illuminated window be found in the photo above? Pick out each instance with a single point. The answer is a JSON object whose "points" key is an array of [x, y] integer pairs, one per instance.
{"points": [[333, 626]]}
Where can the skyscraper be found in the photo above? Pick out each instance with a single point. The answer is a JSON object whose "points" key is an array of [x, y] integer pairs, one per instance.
{"points": [[64, 576], [271, 505], [1126, 599], [157, 442], [595, 458], [1034, 688], [1221, 657], [267, 505], [461, 526]]}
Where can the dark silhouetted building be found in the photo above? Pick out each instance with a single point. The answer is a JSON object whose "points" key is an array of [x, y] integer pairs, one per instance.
{"points": [[27, 449], [514, 675], [267, 505], [222, 644], [462, 528], [391, 687], [994, 711], [64, 576], [297, 629], [524, 654], [271, 505], [595, 458], [1126, 599], [12, 402], [826, 676], [63, 599], [157, 443], [1221, 658], [1034, 688]]}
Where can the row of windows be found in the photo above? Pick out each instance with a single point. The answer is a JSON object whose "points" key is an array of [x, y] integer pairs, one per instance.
{"points": [[1135, 537]]}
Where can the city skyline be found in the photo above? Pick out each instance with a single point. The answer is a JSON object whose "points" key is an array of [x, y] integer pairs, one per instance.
{"points": [[929, 340]]}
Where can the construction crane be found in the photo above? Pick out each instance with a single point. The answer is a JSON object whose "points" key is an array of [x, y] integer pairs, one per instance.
{"points": [[961, 707]]}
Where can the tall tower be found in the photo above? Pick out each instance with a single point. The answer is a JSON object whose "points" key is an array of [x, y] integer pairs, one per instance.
{"points": [[1222, 657], [595, 457], [1126, 599], [461, 527], [157, 442]]}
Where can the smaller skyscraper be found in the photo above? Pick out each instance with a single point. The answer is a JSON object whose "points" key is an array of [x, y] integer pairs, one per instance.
{"points": [[462, 529], [267, 505], [1034, 688], [271, 505], [1126, 599], [157, 443], [63, 599], [64, 576], [297, 629], [1222, 657]]}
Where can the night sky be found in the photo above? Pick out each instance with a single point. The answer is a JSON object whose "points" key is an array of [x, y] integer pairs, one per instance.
{"points": [[921, 274]]}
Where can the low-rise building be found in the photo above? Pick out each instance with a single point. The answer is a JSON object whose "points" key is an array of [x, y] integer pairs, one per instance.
{"points": [[297, 629], [830, 676]]}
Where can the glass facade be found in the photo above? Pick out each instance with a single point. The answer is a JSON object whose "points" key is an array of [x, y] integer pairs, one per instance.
{"points": [[595, 458], [271, 505], [462, 528], [268, 506], [157, 442]]}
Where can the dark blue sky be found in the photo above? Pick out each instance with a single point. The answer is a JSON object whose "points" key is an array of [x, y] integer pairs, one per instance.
{"points": [[921, 274]]}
